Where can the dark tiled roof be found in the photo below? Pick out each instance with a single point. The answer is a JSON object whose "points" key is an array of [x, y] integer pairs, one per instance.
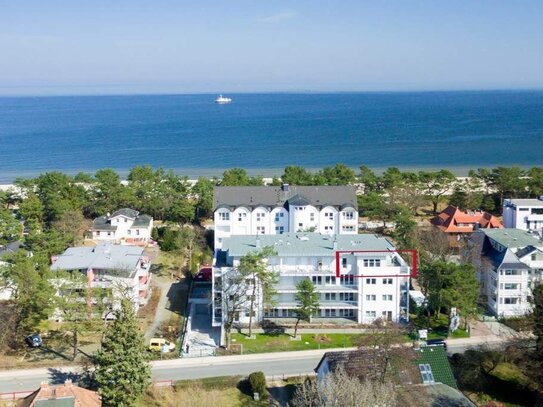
{"points": [[102, 223], [318, 196], [10, 248], [129, 213], [142, 220]]}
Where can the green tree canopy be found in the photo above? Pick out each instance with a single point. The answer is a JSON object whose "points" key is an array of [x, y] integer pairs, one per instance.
{"points": [[308, 302], [122, 371]]}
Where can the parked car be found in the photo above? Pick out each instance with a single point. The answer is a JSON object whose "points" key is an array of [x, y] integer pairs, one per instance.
{"points": [[161, 344], [205, 274], [34, 341], [433, 342]]}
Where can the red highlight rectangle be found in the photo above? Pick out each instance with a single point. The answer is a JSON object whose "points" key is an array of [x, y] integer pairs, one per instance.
{"points": [[412, 251]]}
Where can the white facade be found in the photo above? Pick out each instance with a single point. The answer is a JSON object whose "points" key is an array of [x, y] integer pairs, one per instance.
{"points": [[122, 269], [125, 226], [511, 264], [370, 286], [525, 214], [289, 212]]}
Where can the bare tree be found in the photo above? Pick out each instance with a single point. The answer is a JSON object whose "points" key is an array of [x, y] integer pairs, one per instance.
{"points": [[233, 299], [341, 389], [435, 244]]}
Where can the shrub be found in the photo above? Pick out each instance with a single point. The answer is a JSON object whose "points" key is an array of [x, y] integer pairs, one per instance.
{"points": [[257, 380]]}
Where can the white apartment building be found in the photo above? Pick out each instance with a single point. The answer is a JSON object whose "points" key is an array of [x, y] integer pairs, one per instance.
{"points": [[371, 285], [509, 266], [277, 210], [525, 214], [125, 226], [124, 270]]}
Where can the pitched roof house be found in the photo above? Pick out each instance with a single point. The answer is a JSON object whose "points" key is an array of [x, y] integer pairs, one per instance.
{"points": [[125, 226], [66, 395]]}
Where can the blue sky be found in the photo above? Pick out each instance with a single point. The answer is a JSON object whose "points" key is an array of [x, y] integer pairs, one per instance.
{"points": [[134, 46]]}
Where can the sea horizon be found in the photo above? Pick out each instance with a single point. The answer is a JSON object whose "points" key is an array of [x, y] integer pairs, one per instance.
{"points": [[264, 132]]}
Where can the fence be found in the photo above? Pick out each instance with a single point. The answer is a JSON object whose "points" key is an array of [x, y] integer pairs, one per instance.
{"points": [[15, 395]]}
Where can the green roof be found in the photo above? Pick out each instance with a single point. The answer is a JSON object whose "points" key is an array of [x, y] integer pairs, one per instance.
{"points": [[306, 244], [436, 357], [513, 238]]}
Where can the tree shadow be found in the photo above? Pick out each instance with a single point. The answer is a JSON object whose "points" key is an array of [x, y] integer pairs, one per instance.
{"points": [[273, 328], [54, 352], [177, 297], [59, 377]]}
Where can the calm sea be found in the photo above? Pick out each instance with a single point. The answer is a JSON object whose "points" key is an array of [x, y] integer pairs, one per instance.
{"points": [[265, 132]]}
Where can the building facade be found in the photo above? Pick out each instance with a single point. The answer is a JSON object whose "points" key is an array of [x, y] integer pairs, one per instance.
{"points": [[123, 270], [509, 263], [371, 285], [125, 226], [277, 210], [525, 214]]}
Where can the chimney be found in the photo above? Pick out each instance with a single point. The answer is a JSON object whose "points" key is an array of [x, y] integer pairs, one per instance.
{"points": [[284, 187]]}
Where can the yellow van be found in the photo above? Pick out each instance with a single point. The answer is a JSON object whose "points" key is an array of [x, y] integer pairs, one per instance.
{"points": [[161, 345]]}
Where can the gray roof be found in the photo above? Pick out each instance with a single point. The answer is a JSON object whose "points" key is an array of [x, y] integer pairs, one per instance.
{"points": [[129, 213], [102, 223], [306, 244], [141, 221], [122, 260], [318, 196], [526, 202], [513, 238], [10, 248]]}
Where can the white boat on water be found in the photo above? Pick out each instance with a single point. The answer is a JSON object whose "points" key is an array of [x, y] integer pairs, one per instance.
{"points": [[222, 100]]}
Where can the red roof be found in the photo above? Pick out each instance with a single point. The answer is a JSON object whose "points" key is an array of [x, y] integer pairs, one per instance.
{"points": [[453, 220], [81, 397]]}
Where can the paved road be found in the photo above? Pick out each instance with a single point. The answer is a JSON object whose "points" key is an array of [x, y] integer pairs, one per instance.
{"points": [[272, 364]]}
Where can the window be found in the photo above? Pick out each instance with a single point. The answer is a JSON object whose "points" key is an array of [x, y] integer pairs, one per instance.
{"points": [[371, 314], [346, 280], [137, 232], [260, 230], [371, 297], [344, 262], [316, 280], [523, 209], [346, 296], [511, 272], [372, 263], [330, 280], [387, 315], [387, 281], [510, 286], [510, 301], [348, 215], [224, 215], [129, 231], [371, 281], [537, 211], [387, 297], [312, 217], [260, 216], [278, 216], [241, 216], [109, 233], [329, 215], [426, 373], [301, 225], [534, 257], [347, 228], [280, 230], [329, 228], [346, 312], [330, 296], [98, 233]]}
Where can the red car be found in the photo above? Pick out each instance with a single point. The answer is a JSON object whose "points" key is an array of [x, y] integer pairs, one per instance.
{"points": [[204, 274]]}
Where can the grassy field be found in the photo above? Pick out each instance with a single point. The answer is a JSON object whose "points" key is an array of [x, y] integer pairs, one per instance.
{"points": [[439, 328], [282, 342], [225, 391]]}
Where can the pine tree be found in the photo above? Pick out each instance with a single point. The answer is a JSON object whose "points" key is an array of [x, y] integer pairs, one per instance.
{"points": [[122, 372]]}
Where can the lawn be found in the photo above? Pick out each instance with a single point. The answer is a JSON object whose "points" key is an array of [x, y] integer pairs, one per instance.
{"points": [[439, 328], [282, 342], [225, 391]]}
